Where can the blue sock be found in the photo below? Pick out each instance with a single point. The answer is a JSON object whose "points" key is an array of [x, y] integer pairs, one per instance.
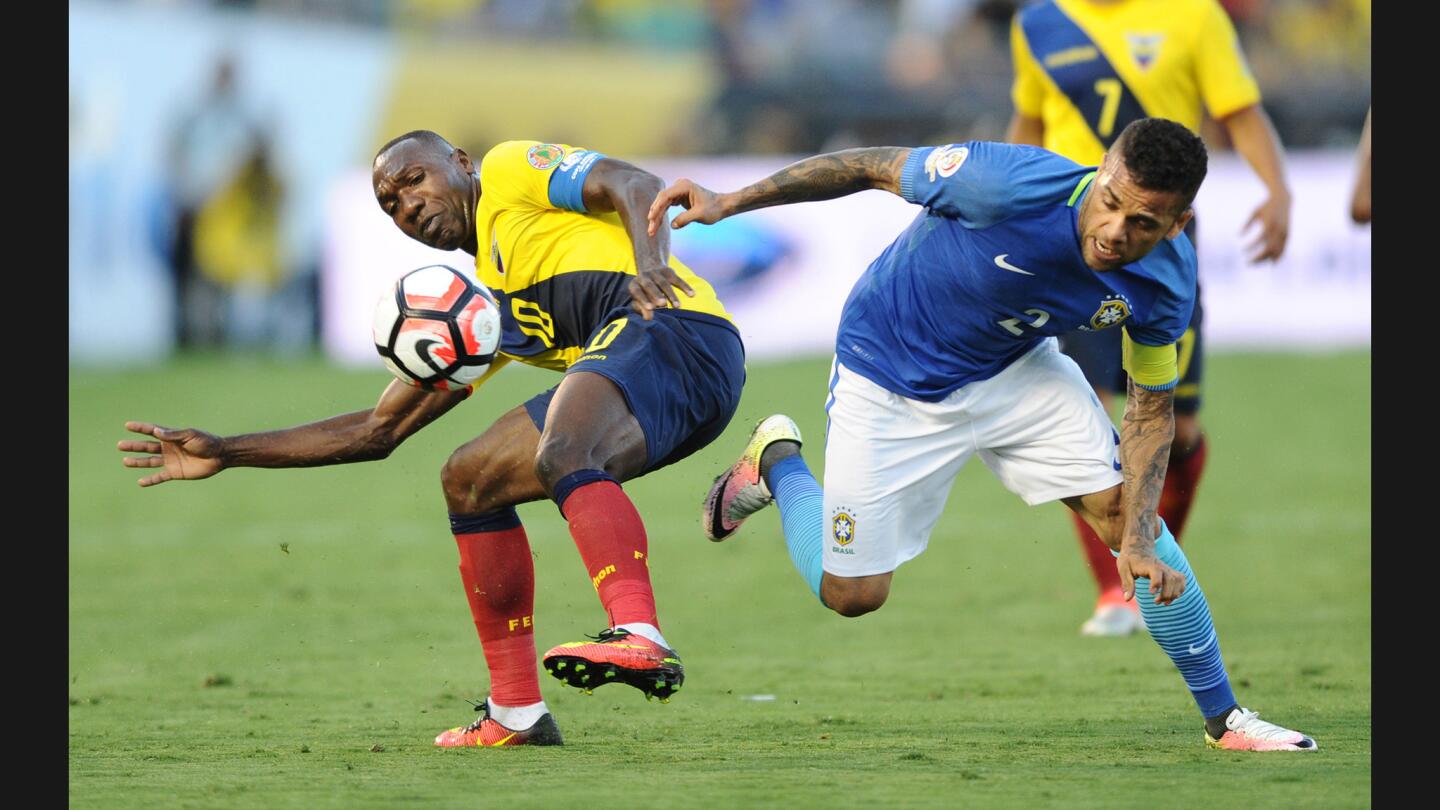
{"points": [[802, 505], [1184, 631]]}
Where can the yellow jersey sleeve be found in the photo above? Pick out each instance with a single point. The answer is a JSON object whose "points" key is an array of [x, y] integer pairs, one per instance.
{"points": [[1028, 91], [532, 174], [1226, 84], [498, 363], [1152, 367]]}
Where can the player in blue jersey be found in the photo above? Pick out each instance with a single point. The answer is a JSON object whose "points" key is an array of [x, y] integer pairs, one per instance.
{"points": [[947, 349]]}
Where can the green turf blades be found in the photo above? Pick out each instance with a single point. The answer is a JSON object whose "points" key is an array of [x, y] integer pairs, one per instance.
{"points": [[969, 687]]}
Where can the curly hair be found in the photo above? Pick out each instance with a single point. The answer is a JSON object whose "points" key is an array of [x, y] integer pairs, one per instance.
{"points": [[1162, 155]]}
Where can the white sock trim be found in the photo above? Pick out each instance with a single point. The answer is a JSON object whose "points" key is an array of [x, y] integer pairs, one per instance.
{"points": [[517, 718], [644, 630]]}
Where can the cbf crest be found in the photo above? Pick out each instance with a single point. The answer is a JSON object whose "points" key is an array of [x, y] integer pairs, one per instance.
{"points": [[842, 527], [1112, 312]]}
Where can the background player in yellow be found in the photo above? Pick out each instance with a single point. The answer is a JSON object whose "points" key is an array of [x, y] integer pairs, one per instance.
{"points": [[651, 376], [1084, 70]]}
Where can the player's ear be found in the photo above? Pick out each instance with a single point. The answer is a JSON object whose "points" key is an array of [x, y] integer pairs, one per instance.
{"points": [[463, 159], [1180, 222]]}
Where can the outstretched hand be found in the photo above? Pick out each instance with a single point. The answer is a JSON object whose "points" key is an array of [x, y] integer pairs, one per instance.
{"points": [[1165, 582], [183, 453], [1273, 217], [702, 205]]}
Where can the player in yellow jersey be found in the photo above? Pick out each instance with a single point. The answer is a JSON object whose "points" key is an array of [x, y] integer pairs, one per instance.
{"points": [[651, 376], [1084, 70]]}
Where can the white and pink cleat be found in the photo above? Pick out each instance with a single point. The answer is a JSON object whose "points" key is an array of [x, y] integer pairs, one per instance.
{"points": [[1245, 731]]}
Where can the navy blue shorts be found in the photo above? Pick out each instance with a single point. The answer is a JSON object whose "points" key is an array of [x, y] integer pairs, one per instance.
{"points": [[681, 374], [1098, 355]]}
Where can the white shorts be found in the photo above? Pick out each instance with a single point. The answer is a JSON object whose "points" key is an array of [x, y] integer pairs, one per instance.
{"points": [[890, 460]]}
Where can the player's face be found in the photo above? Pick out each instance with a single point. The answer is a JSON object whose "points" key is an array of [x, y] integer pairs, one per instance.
{"points": [[428, 193], [1122, 222]]}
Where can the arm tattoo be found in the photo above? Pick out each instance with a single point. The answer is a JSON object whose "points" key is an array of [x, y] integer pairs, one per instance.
{"points": [[1145, 436], [827, 176]]}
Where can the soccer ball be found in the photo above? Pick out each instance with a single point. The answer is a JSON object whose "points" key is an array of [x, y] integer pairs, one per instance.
{"points": [[437, 329]]}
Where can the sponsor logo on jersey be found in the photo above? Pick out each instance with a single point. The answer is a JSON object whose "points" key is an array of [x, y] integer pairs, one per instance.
{"points": [[945, 161], [1072, 56], [1001, 263], [495, 256], [544, 155], [842, 528], [1145, 48], [1112, 312]]}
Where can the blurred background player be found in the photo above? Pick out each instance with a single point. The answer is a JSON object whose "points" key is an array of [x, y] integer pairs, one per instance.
{"points": [[651, 376], [1086, 69], [226, 207]]}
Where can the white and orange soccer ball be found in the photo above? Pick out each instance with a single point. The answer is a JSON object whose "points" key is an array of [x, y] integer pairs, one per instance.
{"points": [[437, 329]]}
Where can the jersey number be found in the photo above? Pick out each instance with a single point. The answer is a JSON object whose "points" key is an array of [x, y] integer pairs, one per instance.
{"points": [[1110, 90], [607, 335], [1013, 324], [534, 321]]}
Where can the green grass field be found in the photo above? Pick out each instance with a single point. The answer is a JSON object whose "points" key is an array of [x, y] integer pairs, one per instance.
{"points": [[295, 638]]}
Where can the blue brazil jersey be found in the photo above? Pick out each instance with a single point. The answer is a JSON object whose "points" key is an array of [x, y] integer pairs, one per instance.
{"points": [[991, 267]]}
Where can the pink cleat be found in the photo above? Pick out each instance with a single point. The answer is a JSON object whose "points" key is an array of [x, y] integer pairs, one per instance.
{"points": [[740, 491]]}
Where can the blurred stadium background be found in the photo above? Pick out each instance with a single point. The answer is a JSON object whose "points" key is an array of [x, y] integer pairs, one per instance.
{"points": [[295, 638], [219, 151]]}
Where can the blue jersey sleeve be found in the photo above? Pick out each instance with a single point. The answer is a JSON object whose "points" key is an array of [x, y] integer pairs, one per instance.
{"points": [[1172, 263], [980, 183], [568, 179]]}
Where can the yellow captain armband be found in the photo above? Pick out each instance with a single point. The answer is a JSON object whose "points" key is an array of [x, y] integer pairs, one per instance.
{"points": [[1154, 368]]}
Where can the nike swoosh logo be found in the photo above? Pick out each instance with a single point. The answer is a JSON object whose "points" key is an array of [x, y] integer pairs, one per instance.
{"points": [[1004, 265], [1197, 650]]}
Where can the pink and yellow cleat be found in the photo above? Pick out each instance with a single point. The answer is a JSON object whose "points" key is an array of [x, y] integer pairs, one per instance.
{"points": [[1245, 731], [488, 733], [741, 491], [618, 656]]}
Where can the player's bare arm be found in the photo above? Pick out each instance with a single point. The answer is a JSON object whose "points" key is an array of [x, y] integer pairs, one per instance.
{"points": [[1360, 199], [823, 177], [1146, 432], [1025, 129], [1255, 139], [614, 185], [368, 435]]}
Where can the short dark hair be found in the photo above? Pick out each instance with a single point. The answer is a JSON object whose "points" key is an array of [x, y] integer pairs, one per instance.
{"points": [[425, 136], [1162, 155]]}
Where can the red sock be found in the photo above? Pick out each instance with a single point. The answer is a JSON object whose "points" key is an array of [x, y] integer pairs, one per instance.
{"points": [[499, 577], [1182, 478], [1097, 554], [611, 539]]}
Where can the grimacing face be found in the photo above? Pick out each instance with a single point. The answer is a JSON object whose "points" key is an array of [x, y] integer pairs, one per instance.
{"points": [[1121, 222], [428, 193]]}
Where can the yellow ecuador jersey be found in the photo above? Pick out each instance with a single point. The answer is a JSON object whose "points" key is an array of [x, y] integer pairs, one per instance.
{"points": [[558, 272], [1088, 69]]}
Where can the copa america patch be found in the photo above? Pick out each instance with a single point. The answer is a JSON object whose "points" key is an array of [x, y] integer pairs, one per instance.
{"points": [[945, 161], [544, 155]]}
